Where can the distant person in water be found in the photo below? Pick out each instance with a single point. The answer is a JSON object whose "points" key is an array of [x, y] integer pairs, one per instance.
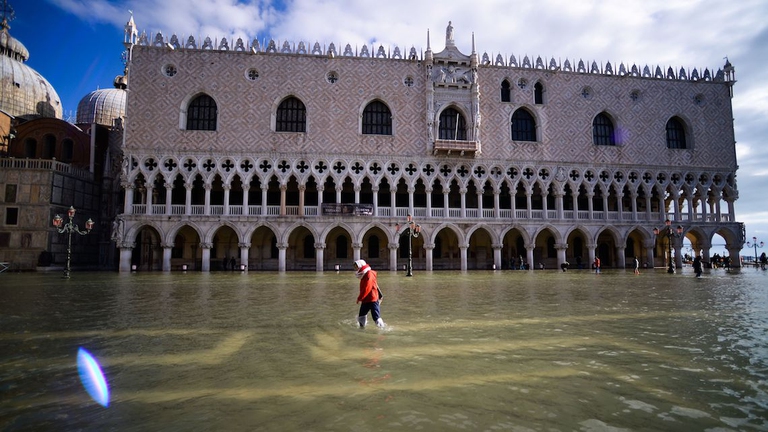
{"points": [[697, 266], [637, 266], [369, 296], [596, 265]]}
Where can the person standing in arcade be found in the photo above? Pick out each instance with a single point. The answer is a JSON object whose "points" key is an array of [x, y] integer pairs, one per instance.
{"points": [[369, 296]]}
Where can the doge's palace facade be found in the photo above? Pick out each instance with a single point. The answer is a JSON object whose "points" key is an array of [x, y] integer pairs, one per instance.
{"points": [[284, 156]]}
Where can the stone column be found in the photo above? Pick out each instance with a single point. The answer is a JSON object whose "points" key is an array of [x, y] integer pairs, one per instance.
{"points": [[544, 205], [529, 203], [319, 257], [411, 190], [264, 188], [283, 188], [227, 188], [497, 256], [591, 248], [393, 256], [429, 202], [126, 253], [246, 189], [244, 252], [446, 192], [302, 189], [207, 188], [375, 190], [649, 245], [734, 252], [356, 248], [168, 197], [591, 204], [188, 198], [529, 255], [463, 192], [357, 193], [206, 264], [281, 248], [621, 260], [167, 249], [561, 248], [148, 199], [496, 204], [559, 204], [429, 248], [128, 204], [463, 254]]}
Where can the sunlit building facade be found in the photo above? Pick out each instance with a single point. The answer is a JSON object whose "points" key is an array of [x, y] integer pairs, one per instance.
{"points": [[302, 156]]}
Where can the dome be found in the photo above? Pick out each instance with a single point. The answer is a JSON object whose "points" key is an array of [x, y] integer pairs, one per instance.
{"points": [[24, 93], [102, 106]]}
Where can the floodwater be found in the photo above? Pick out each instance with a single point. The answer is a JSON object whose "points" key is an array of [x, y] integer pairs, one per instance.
{"points": [[476, 351]]}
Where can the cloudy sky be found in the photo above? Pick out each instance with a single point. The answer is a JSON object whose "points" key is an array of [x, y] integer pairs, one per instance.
{"points": [[77, 44]]}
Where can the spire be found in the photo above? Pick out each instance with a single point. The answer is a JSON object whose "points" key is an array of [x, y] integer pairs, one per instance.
{"points": [[473, 43], [131, 33], [428, 48]]}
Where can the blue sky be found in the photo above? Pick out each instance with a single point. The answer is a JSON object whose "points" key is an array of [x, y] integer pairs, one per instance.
{"points": [[77, 44]]}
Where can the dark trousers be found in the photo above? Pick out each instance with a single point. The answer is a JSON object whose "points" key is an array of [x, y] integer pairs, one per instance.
{"points": [[370, 307]]}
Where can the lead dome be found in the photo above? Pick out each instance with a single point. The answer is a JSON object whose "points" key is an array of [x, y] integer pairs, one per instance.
{"points": [[24, 93], [103, 106]]}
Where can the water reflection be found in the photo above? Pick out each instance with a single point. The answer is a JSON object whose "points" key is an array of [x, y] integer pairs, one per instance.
{"points": [[477, 351]]}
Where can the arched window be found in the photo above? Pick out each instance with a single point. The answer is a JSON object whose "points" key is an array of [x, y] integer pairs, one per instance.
{"points": [[602, 130], [202, 113], [67, 150], [30, 148], [452, 125], [49, 147], [676, 134], [291, 116], [377, 119], [505, 94], [538, 94], [523, 126]]}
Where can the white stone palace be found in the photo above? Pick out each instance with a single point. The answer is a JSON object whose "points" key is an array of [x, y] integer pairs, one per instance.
{"points": [[286, 156]]}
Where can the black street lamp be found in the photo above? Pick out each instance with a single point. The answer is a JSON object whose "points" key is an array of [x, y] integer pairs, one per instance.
{"points": [[413, 232], [755, 245], [670, 234], [69, 228]]}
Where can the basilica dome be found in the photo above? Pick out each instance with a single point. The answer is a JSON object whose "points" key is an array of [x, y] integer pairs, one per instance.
{"points": [[24, 93], [103, 106]]}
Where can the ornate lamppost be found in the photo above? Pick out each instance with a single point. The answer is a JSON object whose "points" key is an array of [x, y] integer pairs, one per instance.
{"points": [[670, 234], [69, 228], [413, 232], [755, 245]]}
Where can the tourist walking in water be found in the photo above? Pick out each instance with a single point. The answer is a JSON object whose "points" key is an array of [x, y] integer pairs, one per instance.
{"points": [[369, 296], [596, 264], [697, 266], [637, 266]]}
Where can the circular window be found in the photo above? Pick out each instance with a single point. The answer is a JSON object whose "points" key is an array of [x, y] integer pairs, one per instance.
{"points": [[169, 70], [252, 74], [586, 93], [408, 81], [332, 77]]}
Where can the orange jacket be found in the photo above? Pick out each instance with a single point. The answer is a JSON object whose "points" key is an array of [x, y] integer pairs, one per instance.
{"points": [[368, 291]]}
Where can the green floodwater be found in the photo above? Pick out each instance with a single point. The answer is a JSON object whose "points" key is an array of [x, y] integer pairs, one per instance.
{"points": [[475, 351]]}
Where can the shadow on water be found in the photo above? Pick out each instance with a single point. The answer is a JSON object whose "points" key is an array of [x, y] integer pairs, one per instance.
{"points": [[499, 350]]}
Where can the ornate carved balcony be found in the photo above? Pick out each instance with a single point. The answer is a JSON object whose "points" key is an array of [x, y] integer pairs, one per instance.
{"points": [[457, 147]]}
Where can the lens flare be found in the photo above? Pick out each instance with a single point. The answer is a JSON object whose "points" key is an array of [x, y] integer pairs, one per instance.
{"points": [[92, 377]]}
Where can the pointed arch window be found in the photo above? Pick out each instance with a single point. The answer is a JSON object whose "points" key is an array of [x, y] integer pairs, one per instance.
{"points": [[202, 113], [523, 126], [505, 91], [676, 134], [452, 125], [291, 116], [538, 94], [602, 130], [377, 119]]}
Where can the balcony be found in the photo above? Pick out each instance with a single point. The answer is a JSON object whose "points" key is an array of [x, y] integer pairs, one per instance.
{"points": [[456, 147]]}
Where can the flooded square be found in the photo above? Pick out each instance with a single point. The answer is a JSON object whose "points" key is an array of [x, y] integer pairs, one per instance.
{"points": [[479, 351]]}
